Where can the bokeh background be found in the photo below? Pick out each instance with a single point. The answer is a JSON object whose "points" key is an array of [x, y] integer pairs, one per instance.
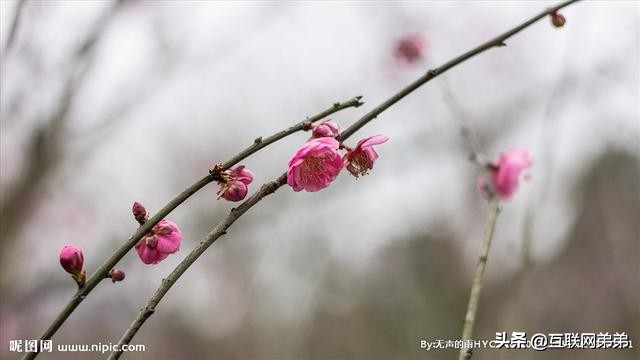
{"points": [[105, 103]]}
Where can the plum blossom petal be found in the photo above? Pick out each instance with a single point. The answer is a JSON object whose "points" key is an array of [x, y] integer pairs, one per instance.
{"points": [[326, 128], [162, 240], [359, 160], [315, 165]]}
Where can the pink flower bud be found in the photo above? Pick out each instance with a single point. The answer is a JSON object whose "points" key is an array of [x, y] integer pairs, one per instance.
{"points": [[235, 191], [326, 128], [71, 259], [242, 174], [236, 184], [140, 213], [359, 160], [116, 275], [505, 172], [163, 239], [557, 19], [315, 165], [410, 48]]}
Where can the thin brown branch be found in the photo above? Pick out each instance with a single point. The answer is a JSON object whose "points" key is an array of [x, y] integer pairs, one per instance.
{"points": [[478, 279], [466, 130], [259, 143], [104, 269]]}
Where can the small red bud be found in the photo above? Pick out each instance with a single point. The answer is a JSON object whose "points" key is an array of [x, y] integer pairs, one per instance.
{"points": [[327, 128], [557, 19], [116, 275], [72, 260], [140, 213]]}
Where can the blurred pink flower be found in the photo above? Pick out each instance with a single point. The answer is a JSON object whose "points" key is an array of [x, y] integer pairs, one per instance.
{"points": [[410, 48], [327, 128], [505, 171], [71, 259], [162, 240], [236, 184], [360, 159], [315, 165]]}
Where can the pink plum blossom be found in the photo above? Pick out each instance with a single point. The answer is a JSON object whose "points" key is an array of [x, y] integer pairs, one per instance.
{"points": [[359, 160], [505, 171], [236, 184], [410, 48], [326, 128], [315, 165], [163, 239], [71, 259]]}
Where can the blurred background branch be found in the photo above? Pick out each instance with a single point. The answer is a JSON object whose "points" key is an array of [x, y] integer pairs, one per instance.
{"points": [[47, 149], [14, 28], [478, 278]]}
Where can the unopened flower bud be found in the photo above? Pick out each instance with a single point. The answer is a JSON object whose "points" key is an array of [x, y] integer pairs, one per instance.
{"points": [[326, 128], [116, 275], [236, 183], [71, 259], [557, 19], [235, 191], [140, 213]]}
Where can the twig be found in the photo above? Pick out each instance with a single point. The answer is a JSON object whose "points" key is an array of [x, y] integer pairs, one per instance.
{"points": [[14, 28], [273, 186], [466, 130], [498, 41], [478, 279], [167, 283], [104, 269], [259, 143]]}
